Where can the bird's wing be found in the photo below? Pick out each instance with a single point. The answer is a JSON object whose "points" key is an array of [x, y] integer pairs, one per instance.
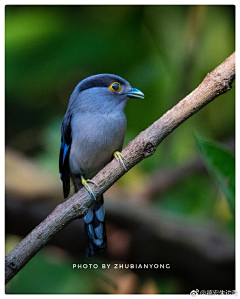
{"points": [[66, 140]]}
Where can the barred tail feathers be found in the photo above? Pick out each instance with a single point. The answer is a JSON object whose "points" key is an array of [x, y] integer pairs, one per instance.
{"points": [[95, 230]]}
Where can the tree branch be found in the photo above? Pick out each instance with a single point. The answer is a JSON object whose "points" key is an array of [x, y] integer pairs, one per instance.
{"points": [[168, 238], [144, 145]]}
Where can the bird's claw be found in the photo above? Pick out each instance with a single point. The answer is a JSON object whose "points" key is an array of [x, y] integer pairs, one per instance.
{"points": [[119, 157], [86, 185]]}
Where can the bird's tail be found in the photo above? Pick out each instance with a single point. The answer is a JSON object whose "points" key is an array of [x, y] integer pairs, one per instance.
{"points": [[95, 230]]}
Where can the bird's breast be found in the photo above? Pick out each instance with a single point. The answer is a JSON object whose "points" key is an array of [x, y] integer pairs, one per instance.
{"points": [[95, 137]]}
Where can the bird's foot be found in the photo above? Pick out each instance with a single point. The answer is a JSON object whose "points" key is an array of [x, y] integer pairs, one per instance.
{"points": [[119, 157], [86, 185]]}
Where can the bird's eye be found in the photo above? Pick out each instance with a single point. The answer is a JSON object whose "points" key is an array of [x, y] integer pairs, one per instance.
{"points": [[115, 87]]}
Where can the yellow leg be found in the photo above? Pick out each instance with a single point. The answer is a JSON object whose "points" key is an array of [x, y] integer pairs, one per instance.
{"points": [[86, 185], [119, 157]]}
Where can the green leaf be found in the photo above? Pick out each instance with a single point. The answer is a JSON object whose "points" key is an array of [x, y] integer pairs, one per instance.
{"points": [[221, 163]]}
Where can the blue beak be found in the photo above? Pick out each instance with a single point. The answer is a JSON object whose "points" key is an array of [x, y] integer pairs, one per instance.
{"points": [[135, 93]]}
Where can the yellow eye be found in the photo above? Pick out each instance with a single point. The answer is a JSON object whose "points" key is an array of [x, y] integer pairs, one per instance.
{"points": [[115, 87]]}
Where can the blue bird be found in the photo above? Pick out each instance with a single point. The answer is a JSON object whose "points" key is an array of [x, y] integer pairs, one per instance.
{"points": [[92, 133]]}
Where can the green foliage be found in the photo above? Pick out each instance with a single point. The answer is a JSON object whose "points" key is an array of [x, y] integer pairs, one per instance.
{"points": [[221, 164], [49, 273], [165, 51], [184, 197]]}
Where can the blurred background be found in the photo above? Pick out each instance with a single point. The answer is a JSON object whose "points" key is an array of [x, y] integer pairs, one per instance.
{"points": [[172, 208]]}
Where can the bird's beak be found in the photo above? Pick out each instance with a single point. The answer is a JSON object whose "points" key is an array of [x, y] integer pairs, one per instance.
{"points": [[135, 93]]}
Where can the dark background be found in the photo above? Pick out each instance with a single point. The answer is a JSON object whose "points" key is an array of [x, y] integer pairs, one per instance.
{"points": [[167, 209]]}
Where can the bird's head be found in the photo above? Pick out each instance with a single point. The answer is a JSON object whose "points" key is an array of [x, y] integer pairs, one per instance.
{"points": [[103, 91]]}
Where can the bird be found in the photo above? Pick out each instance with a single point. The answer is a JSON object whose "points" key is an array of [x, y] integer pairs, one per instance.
{"points": [[92, 134]]}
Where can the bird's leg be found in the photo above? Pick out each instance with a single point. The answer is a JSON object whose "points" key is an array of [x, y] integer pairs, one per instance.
{"points": [[119, 157], [86, 185]]}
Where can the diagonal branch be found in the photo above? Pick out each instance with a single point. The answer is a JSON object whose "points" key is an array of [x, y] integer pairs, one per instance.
{"points": [[144, 145]]}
